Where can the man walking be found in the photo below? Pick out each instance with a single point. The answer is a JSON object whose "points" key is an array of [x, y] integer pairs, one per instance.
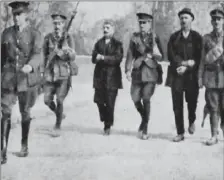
{"points": [[144, 74], [184, 54], [211, 73], [20, 60], [57, 68], [107, 55]]}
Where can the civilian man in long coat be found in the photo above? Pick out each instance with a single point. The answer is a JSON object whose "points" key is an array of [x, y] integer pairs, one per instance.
{"points": [[211, 73], [184, 53], [107, 55], [57, 71], [20, 60], [141, 68]]}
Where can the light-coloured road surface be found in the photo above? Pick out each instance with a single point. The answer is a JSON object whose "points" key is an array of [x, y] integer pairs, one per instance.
{"points": [[83, 153]]}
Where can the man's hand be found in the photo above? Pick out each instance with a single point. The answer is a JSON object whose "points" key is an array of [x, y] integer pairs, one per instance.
{"points": [[148, 57], [181, 70], [191, 63], [99, 57], [60, 52], [128, 75], [27, 68]]}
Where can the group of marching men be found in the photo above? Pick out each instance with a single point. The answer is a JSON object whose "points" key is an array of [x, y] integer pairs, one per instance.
{"points": [[195, 61]]}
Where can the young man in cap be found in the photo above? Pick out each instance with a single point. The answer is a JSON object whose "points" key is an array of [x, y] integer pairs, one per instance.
{"points": [[20, 60], [144, 75], [107, 55], [184, 54], [211, 73], [57, 70]]}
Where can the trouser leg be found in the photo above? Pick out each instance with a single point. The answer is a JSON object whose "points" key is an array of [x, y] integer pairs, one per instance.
{"points": [[147, 92], [8, 99], [177, 99], [111, 96], [49, 92], [61, 93]]}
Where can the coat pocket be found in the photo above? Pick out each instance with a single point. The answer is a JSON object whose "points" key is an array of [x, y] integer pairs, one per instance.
{"points": [[8, 78], [34, 78]]}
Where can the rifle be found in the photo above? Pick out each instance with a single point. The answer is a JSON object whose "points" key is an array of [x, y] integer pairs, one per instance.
{"points": [[64, 37]]}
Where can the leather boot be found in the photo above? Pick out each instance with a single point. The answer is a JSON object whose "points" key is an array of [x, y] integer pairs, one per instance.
{"points": [[146, 114], [178, 138], [5, 131], [24, 142], [214, 119], [140, 109], [107, 130]]}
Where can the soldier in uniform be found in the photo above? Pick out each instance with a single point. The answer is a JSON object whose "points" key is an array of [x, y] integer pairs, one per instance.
{"points": [[20, 60], [144, 74], [184, 54], [107, 55], [57, 68], [211, 73]]}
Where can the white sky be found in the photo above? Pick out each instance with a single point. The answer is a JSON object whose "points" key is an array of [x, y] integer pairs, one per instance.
{"points": [[98, 10]]}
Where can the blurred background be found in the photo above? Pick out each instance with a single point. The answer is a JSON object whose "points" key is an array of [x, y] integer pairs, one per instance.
{"points": [[86, 27]]}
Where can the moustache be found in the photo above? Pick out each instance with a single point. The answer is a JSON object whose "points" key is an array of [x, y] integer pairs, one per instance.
{"points": [[105, 32]]}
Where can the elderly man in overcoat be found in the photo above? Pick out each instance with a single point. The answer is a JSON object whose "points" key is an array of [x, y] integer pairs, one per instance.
{"points": [[20, 60], [107, 56], [184, 54], [211, 73]]}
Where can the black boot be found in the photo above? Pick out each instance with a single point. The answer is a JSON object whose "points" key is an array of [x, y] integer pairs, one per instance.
{"points": [[24, 142], [145, 119], [5, 131], [107, 130], [214, 119], [140, 109]]}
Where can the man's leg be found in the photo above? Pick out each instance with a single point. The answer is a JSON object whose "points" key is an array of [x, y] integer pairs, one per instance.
{"points": [[49, 92], [8, 99], [111, 96], [136, 95], [191, 96], [222, 110], [177, 98], [147, 92], [25, 108], [62, 90], [212, 100], [100, 99]]}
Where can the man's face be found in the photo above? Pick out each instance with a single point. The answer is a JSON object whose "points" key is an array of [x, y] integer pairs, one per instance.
{"points": [[145, 26], [108, 30], [217, 23], [58, 26], [185, 21], [20, 18]]}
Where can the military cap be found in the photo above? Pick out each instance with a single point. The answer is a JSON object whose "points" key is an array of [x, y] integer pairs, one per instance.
{"points": [[144, 14], [186, 11], [217, 12], [109, 21], [19, 6], [59, 12]]}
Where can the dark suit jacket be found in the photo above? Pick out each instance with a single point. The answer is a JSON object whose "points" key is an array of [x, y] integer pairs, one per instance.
{"points": [[14, 56], [107, 73], [179, 50]]}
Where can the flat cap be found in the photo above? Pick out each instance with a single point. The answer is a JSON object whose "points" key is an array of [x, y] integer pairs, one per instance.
{"points": [[186, 11], [217, 12], [19, 6]]}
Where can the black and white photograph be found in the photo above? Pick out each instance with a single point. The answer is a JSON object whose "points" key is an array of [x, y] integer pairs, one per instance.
{"points": [[112, 90]]}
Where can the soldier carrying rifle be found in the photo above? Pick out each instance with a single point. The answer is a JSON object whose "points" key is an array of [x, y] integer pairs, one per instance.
{"points": [[59, 53]]}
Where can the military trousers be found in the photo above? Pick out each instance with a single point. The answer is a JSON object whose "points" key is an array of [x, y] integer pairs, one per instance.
{"points": [[191, 97], [215, 103], [26, 100], [141, 94], [60, 88], [105, 100]]}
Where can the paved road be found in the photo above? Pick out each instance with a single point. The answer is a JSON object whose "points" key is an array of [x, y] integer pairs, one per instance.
{"points": [[83, 153]]}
